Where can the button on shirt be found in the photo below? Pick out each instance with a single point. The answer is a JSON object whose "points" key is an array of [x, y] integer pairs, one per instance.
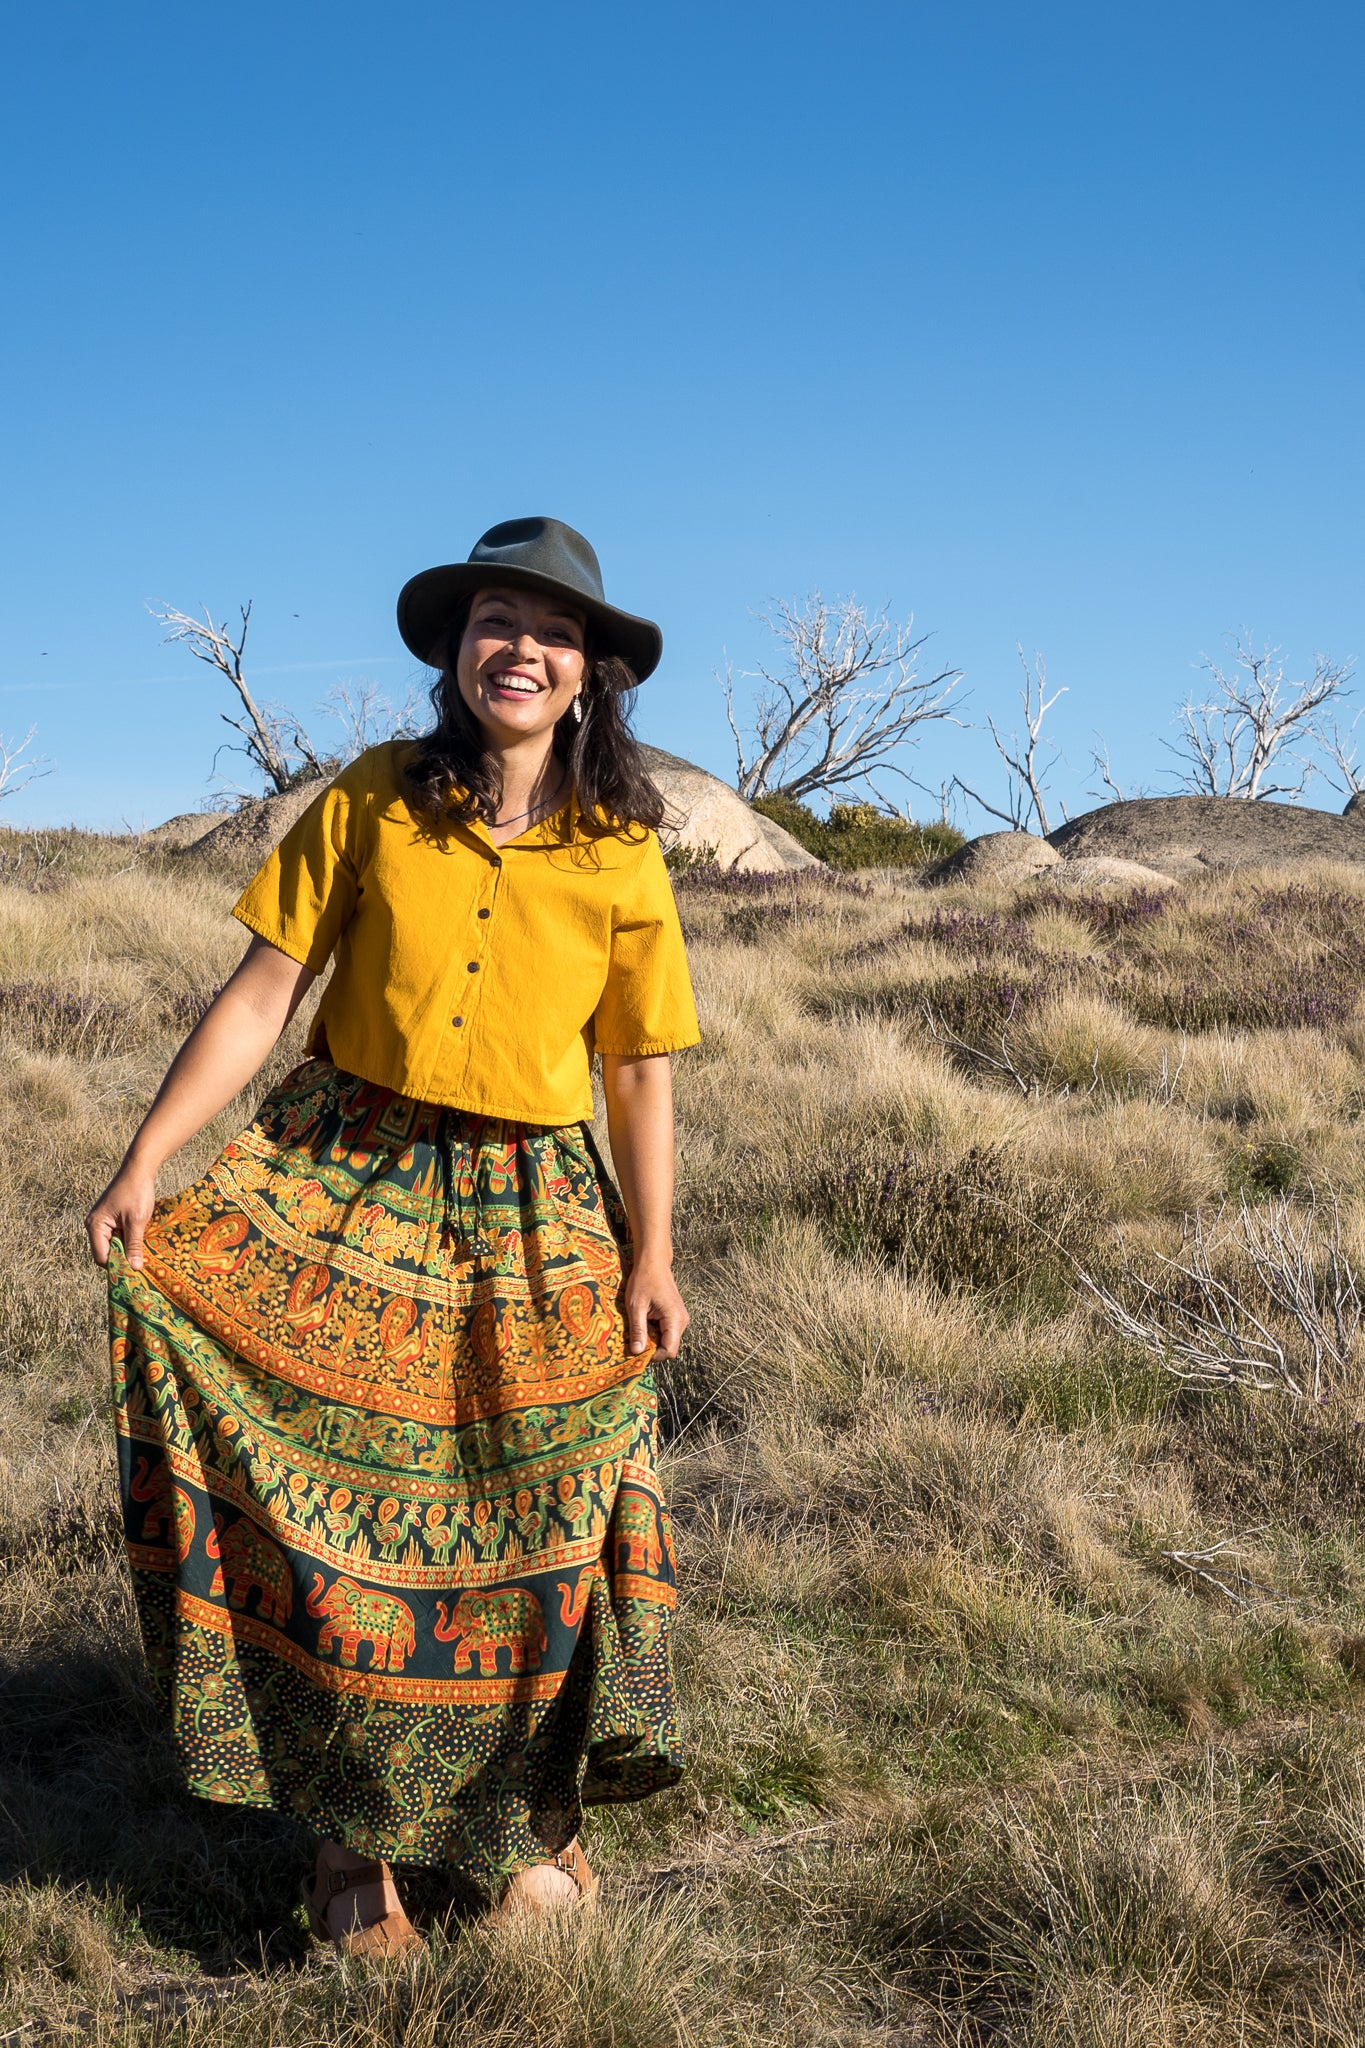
{"points": [[467, 975]]}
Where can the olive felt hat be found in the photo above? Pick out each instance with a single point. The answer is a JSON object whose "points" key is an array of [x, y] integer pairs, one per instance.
{"points": [[527, 554]]}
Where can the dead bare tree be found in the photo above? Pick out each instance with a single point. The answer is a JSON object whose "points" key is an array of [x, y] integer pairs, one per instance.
{"points": [[1026, 774], [367, 715], [1253, 722], [16, 773], [1344, 754], [272, 738], [847, 697], [1109, 782], [1099, 761], [942, 796]]}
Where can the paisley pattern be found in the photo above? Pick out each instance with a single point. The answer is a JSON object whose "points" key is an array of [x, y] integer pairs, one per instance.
{"points": [[401, 1559]]}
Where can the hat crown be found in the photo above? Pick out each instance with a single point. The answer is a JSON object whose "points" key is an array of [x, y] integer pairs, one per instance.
{"points": [[542, 547]]}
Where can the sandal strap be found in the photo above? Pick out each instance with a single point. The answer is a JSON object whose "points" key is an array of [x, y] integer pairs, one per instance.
{"points": [[360, 1873], [574, 1864], [392, 1936]]}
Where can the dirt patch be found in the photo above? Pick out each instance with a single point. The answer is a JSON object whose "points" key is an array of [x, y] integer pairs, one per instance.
{"points": [[251, 834]]}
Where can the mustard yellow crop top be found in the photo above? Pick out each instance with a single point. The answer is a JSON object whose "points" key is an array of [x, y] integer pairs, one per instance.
{"points": [[478, 976]]}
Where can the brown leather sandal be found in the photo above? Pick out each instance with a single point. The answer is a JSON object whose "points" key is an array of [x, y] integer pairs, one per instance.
{"points": [[573, 1863], [391, 1935]]}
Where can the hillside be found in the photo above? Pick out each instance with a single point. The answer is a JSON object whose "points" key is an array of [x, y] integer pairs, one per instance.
{"points": [[1020, 1679]]}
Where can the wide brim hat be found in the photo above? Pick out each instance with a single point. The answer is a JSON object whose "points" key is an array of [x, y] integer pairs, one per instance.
{"points": [[527, 554]]}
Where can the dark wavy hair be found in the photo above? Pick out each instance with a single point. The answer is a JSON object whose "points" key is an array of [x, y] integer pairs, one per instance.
{"points": [[454, 775]]}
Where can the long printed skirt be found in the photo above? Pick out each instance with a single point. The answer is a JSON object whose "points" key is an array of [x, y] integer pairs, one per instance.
{"points": [[401, 1559]]}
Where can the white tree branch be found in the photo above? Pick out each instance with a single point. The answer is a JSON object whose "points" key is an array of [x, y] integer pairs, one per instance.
{"points": [[846, 699], [1026, 775], [16, 772]]}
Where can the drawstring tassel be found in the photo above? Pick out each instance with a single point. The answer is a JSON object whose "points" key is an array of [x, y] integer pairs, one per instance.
{"points": [[462, 1228], [443, 1146]]}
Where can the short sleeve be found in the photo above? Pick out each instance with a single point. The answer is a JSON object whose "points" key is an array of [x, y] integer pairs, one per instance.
{"points": [[646, 1006], [303, 897]]}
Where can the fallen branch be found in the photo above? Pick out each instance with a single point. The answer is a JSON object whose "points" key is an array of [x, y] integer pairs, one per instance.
{"points": [[1206, 1331], [1170, 1076]]}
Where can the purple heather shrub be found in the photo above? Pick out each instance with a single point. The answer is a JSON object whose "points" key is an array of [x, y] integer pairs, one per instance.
{"points": [[962, 931], [977, 1221], [979, 1005], [1326, 913], [1107, 916], [808, 884], [1291, 958], [1318, 996], [57, 1020], [187, 1006]]}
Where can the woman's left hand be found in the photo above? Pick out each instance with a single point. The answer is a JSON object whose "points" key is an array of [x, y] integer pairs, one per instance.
{"points": [[654, 1308]]}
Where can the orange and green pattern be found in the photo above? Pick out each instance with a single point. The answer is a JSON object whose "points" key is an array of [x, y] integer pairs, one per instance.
{"points": [[401, 1557]]}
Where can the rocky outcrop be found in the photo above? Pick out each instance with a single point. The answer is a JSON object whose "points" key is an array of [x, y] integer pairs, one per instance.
{"points": [[1100, 871], [1151, 839], [1192, 835], [1003, 857], [706, 815]]}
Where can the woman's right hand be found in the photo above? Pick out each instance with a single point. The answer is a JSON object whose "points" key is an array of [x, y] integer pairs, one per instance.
{"points": [[123, 1211]]}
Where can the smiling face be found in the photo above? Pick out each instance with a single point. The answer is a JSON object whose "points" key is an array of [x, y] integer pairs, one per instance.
{"points": [[520, 663]]}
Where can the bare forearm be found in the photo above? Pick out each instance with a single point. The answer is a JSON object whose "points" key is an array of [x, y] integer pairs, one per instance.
{"points": [[640, 1125], [223, 1052]]}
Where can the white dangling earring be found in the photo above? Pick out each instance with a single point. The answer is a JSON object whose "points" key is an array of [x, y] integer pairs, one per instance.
{"points": [[578, 707]]}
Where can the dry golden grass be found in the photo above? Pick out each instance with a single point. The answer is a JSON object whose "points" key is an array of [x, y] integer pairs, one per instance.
{"points": [[975, 1756]]}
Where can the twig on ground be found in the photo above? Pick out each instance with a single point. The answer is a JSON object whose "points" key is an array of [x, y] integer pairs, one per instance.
{"points": [[713, 1397], [1033, 1086], [1200, 1564], [1170, 1076]]}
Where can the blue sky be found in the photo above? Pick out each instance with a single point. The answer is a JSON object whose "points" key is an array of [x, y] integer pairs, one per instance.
{"points": [[1045, 324]]}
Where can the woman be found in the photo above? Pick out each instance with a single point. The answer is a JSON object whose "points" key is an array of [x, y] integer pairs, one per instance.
{"points": [[385, 1410]]}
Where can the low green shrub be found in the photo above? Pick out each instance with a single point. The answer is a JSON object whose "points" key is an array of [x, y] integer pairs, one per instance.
{"points": [[860, 835], [681, 860], [1107, 1383], [1275, 1167]]}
